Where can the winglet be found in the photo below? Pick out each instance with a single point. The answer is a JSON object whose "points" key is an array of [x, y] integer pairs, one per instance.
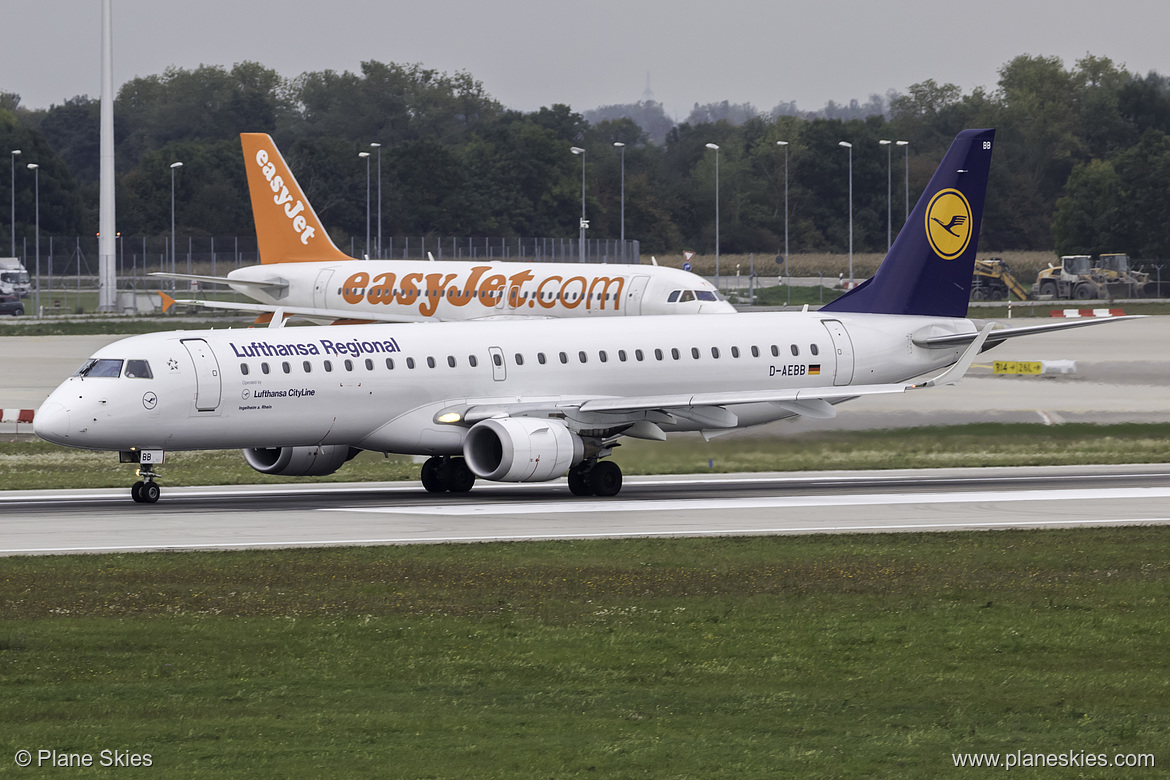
{"points": [[287, 228], [167, 301], [956, 372]]}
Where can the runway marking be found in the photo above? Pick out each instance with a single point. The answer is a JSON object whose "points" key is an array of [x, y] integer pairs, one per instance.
{"points": [[537, 536], [768, 502]]}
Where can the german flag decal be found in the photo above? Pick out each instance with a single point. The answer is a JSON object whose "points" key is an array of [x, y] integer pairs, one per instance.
{"points": [[814, 369]]}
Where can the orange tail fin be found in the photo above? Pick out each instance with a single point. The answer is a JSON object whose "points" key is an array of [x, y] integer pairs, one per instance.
{"points": [[287, 228]]}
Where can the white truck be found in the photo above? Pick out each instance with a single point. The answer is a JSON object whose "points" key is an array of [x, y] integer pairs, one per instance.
{"points": [[14, 277]]}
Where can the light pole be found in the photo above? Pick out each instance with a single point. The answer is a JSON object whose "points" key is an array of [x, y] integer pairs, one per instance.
{"points": [[716, 148], [37, 189], [889, 197], [788, 281], [622, 146], [378, 246], [907, 145], [15, 153], [584, 224], [849, 146], [174, 166], [366, 156]]}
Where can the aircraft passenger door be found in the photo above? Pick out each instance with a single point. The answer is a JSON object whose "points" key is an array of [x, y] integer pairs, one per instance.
{"points": [[208, 383], [320, 288], [842, 351], [633, 301], [499, 370]]}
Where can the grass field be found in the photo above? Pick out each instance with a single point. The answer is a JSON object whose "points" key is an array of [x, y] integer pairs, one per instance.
{"points": [[816, 656], [28, 465]]}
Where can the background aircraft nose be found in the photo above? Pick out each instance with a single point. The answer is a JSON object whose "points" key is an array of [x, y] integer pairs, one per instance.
{"points": [[51, 422]]}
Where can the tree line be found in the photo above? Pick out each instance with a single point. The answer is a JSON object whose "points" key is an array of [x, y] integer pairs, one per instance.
{"points": [[1082, 158]]}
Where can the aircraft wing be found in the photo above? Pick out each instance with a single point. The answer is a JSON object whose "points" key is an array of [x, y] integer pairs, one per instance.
{"points": [[709, 409], [1001, 335], [272, 285]]}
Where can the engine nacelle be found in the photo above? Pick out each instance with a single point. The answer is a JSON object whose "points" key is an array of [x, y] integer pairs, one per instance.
{"points": [[521, 449], [299, 461]]}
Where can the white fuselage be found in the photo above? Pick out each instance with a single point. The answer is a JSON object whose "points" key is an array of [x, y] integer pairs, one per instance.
{"points": [[419, 291], [381, 387]]}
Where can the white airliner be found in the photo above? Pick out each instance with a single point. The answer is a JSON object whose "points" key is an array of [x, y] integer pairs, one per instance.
{"points": [[511, 402], [303, 273]]}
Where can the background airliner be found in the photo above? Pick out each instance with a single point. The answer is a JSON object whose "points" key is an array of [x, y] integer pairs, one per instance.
{"points": [[303, 273], [510, 402]]}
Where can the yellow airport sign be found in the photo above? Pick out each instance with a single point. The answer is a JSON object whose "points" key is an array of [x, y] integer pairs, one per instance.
{"points": [[1031, 367]]}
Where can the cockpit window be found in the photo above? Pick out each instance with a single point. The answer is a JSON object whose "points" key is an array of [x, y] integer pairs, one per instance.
{"points": [[104, 367], [687, 295], [673, 298], [705, 295], [138, 369]]}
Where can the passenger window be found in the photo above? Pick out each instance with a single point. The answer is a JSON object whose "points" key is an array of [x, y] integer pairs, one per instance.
{"points": [[244, 369], [673, 297], [638, 355], [735, 352], [472, 361], [658, 354], [622, 355], [715, 352], [795, 350], [755, 351], [775, 351], [328, 366], [564, 358], [410, 362], [813, 349], [582, 357], [695, 353], [604, 357], [285, 367], [498, 360], [674, 352], [430, 362], [307, 366], [369, 364], [390, 363], [264, 368], [138, 369], [451, 361], [519, 359], [540, 358], [348, 365]]}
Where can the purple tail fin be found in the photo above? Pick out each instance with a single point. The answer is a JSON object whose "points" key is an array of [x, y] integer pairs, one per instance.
{"points": [[928, 270]]}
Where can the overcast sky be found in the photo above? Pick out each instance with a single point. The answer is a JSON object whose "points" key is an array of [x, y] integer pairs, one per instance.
{"points": [[533, 53]]}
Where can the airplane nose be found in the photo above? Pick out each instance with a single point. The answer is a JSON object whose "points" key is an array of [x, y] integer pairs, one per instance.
{"points": [[51, 422]]}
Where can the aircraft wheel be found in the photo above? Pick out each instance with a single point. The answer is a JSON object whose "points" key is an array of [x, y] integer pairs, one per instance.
{"points": [[150, 492], [579, 484], [459, 478], [432, 477], [606, 478], [136, 491]]}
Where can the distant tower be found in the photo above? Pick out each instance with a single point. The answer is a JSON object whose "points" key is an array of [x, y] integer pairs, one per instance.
{"points": [[647, 94], [107, 270]]}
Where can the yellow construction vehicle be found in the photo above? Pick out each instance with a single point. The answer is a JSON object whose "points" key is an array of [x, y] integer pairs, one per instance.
{"points": [[993, 281], [1079, 278]]}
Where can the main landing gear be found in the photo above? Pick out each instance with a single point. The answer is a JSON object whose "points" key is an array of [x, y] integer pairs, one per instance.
{"points": [[444, 473], [600, 478]]}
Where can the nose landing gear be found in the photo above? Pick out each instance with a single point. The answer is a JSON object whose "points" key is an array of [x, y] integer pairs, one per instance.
{"points": [[145, 490]]}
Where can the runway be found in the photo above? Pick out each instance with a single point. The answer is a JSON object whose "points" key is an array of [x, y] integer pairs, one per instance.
{"points": [[203, 518]]}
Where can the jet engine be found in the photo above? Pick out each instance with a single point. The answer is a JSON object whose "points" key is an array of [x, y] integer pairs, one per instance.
{"points": [[299, 461], [521, 449]]}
